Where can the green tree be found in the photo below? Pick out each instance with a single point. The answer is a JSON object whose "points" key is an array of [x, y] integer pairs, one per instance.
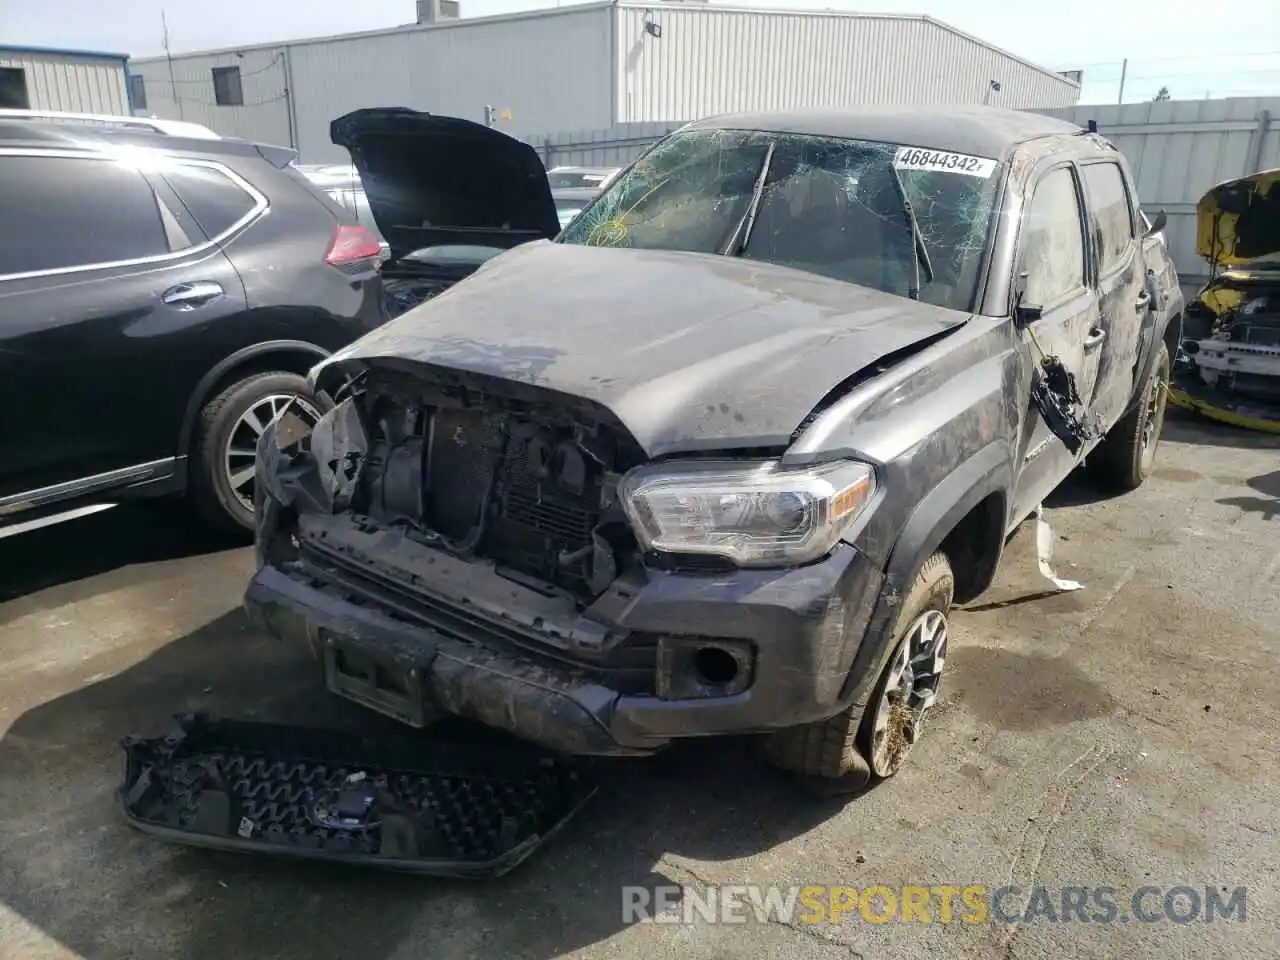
{"points": [[1161, 94]]}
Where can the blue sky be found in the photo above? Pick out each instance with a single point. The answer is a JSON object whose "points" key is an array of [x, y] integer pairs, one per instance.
{"points": [[1194, 48]]}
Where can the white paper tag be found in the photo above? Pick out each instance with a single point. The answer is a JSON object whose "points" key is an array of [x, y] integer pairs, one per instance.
{"points": [[922, 158], [1044, 553]]}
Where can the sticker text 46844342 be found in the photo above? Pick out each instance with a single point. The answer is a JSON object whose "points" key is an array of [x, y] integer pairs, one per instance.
{"points": [[921, 158]]}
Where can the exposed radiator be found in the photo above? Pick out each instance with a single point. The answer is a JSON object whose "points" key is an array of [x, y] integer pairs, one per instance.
{"points": [[532, 522]]}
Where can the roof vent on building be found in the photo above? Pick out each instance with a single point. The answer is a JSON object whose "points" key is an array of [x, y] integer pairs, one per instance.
{"points": [[434, 11]]}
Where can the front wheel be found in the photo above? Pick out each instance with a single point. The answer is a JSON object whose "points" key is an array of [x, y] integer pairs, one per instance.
{"points": [[857, 745], [1124, 458], [225, 453]]}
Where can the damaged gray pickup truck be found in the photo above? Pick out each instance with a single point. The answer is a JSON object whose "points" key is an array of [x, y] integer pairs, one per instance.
{"points": [[720, 456]]}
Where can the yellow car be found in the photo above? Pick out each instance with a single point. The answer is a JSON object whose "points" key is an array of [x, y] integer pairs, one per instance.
{"points": [[1229, 365]]}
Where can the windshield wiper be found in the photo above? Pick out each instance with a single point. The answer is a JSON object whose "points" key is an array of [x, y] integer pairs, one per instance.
{"points": [[921, 257], [737, 241]]}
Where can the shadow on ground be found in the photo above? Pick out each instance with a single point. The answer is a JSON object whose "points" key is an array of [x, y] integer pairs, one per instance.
{"points": [[1267, 505], [72, 868], [1185, 426], [125, 536]]}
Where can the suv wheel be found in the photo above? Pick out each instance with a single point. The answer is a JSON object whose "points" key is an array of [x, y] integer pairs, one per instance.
{"points": [[1124, 457], [857, 745], [225, 452]]}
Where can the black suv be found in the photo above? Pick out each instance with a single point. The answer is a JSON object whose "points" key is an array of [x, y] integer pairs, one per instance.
{"points": [[161, 298]]}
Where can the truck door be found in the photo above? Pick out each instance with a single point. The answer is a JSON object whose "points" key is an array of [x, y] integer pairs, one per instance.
{"points": [[1053, 256], [1123, 299]]}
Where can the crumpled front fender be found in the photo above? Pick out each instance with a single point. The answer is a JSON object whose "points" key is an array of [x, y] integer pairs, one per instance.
{"points": [[303, 468]]}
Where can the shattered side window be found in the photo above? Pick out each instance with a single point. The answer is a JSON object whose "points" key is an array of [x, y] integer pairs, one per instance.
{"points": [[1053, 245], [830, 206], [1109, 201]]}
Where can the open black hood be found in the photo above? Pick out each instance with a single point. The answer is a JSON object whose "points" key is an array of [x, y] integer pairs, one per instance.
{"points": [[432, 180]]}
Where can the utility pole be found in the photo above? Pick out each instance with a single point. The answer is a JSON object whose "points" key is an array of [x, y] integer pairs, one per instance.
{"points": [[1124, 69], [173, 84]]}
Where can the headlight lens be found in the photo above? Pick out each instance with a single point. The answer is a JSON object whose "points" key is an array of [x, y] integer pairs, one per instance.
{"points": [[755, 514]]}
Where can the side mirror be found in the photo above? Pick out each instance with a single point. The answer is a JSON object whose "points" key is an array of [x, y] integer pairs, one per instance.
{"points": [[1158, 223], [1024, 313]]}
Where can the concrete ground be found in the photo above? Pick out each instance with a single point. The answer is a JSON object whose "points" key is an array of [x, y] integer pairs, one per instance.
{"points": [[1119, 736]]}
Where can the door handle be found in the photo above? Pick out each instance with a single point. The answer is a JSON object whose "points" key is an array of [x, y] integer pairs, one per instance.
{"points": [[1095, 338], [188, 296]]}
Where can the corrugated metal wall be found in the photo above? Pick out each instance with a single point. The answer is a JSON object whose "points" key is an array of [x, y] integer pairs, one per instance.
{"points": [[593, 66], [188, 95], [71, 83], [1178, 149], [551, 71], [710, 60]]}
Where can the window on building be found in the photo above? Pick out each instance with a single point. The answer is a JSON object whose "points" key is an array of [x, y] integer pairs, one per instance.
{"points": [[13, 89], [226, 87], [78, 213], [215, 201], [138, 91], [1053, 254], [1109, 201]]}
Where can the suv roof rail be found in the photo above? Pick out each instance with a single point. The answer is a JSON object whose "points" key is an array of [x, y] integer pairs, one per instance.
{"points": [[172, 128]]}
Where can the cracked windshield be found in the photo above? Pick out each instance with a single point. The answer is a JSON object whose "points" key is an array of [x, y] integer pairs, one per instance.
{"points": [[826, 205]]}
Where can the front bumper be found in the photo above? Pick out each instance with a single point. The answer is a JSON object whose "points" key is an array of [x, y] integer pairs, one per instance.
{"points": [[803, 626]]}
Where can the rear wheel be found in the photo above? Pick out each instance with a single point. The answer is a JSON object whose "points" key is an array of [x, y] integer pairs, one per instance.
{"points": [[1124, 458], [855, 745], [225, 452]]}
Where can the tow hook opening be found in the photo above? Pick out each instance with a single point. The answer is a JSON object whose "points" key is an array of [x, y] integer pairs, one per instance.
{"points": [[715, 665], [692, 668]]}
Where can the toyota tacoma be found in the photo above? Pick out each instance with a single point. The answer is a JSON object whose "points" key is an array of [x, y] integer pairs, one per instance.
{"points": [[719, 457]]}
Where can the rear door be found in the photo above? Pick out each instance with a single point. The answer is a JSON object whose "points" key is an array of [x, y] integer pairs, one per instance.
{"points": [[1121, 281], [102, 281], [1052, 252]]}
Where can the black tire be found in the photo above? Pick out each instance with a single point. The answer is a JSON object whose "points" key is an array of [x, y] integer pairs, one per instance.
{"points": [[1124, 458], [838, 748], [210, 488]]}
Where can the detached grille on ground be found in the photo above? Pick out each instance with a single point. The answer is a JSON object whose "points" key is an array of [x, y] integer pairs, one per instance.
{"points": [[450, 809]]}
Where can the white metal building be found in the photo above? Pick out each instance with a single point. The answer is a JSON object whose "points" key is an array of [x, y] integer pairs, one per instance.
{"points": [[588, 67], [75, 81]]}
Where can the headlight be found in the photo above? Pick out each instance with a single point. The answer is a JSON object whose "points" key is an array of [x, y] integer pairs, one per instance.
{"points": [[755, 514]]}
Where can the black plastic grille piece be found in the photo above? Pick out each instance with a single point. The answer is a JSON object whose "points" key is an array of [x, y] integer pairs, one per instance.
{"points": [[426, 807]]}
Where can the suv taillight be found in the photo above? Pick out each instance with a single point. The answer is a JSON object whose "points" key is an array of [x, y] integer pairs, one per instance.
{"points": [[351, 245]]}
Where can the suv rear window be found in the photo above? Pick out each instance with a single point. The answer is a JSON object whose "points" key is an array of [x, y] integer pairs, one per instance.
{"points": [[75, 213], [216, 201]]}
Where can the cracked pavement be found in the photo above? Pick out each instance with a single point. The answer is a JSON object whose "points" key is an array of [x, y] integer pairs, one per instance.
{"points": [[1119, 736]]}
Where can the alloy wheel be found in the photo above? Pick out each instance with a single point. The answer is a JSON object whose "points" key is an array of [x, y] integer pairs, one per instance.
{"points": [[1153, 418], [910, 691], [240, 456]]}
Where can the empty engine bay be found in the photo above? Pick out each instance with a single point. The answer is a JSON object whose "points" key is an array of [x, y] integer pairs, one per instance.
{"points": [[532, 489]]}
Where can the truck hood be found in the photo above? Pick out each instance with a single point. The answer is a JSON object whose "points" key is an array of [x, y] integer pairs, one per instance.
{"points": [[1238, 222], [689, 352], [434, 181]]}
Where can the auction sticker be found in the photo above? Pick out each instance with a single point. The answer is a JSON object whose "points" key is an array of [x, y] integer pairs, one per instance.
{"points": [[921, 158]]}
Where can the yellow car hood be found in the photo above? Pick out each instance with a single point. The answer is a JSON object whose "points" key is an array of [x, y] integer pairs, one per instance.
{"points": [[1238, 222]]}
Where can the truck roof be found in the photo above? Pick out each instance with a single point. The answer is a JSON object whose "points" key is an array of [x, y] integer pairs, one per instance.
{"points": [[980, 131]]}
